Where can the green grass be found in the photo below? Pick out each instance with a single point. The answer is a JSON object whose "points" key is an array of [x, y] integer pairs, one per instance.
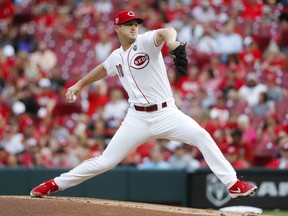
{"points": [[275, 213]]}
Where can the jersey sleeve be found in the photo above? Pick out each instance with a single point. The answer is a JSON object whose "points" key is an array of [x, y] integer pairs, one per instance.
{"points": [[109, 66], [149, 39]]}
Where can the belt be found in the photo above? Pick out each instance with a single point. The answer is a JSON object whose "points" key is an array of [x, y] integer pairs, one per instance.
{"points": [[150, 108]]}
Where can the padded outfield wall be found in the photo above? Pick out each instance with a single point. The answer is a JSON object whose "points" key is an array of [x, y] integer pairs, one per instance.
{"points": [[201, 189]]}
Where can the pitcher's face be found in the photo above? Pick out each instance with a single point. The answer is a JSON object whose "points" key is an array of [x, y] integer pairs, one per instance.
{"points": [[128, 30]]}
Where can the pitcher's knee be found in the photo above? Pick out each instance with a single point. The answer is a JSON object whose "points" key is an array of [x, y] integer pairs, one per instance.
{"points": [[200, 135], [106, 164]]}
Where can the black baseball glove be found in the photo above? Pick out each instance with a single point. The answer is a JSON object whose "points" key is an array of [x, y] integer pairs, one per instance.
{"points": [[180, 60]]}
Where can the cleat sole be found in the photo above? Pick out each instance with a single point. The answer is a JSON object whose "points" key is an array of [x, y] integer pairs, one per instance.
{"points": [[250, 193]]}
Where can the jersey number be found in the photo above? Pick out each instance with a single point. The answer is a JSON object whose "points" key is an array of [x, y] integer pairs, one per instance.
{"points": [[120, 70]]}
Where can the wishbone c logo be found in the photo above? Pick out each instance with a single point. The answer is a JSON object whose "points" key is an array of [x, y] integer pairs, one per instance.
{"points": [[130, 13]]}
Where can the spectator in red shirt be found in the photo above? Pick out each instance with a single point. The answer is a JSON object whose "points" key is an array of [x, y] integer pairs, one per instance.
{"points": [[218, 67], [245, 149], [219, 110], [252, 9], [231, 153], [7, 13], [4, 115], [282, 161], [46, 14], [97, 98], [189, 85], [65, 27], [232, 79], [46, 97], [143, 151], [26, 158], [167, 12], [273, 59], [251, 55], [5, 67], [221, 138]]}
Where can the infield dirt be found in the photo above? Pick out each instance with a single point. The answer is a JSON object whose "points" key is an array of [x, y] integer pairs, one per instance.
{"points": [[72, 206]]}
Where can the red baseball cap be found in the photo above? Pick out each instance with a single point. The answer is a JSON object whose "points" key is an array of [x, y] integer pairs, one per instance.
{"points": [[125, 16]]}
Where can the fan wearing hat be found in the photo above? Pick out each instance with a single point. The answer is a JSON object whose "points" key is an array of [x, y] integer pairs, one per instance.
{"points": [[244, 148], [152, 111], [232, 155]]}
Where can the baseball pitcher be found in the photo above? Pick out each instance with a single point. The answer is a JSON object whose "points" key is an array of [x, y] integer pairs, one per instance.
{"points": [[152, 113]]}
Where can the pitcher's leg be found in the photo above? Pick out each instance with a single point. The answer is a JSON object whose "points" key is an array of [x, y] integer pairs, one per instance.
{"points": [[186, 130], [131, 133], [214, 157]]}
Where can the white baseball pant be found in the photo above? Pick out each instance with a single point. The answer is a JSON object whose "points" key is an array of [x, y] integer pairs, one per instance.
{"points": [[137, 128]]}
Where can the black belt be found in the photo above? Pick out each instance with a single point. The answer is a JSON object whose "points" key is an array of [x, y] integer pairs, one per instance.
{"points": [[150, 108]]}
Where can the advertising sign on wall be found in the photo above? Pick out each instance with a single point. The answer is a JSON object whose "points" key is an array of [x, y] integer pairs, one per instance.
{"points": [[206, 191]]}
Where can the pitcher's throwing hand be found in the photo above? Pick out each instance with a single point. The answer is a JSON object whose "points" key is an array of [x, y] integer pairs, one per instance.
{"points": [[72, 93]]}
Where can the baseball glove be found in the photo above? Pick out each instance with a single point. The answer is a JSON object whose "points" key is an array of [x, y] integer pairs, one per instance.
{"points": [[180, 60]]}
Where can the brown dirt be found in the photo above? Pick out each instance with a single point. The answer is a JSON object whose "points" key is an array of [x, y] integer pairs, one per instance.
{"points": [[62, 206]]}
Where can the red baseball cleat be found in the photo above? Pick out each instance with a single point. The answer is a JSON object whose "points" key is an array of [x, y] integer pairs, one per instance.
{"points": [[46, 188], [242, 189]]}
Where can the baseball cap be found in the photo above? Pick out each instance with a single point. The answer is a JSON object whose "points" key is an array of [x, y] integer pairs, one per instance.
{"points": [[125, 16]]}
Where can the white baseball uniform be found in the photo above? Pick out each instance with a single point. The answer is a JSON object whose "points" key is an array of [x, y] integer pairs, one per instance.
{"points": [[142, 72]]}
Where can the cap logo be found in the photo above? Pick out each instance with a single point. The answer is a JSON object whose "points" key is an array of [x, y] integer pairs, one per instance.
{"points": [[125, 16], [130, 13]]}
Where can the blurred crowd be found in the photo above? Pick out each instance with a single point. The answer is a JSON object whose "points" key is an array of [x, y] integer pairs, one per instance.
{"points": [[236, 87]]}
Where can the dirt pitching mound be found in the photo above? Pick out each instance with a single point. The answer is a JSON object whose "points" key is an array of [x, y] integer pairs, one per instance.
{"points": [[62, 206]]}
